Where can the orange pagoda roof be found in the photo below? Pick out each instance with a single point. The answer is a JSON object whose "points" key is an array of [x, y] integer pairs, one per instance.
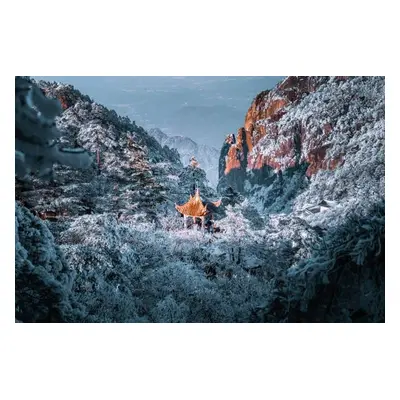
{"points": [[195, 207]]}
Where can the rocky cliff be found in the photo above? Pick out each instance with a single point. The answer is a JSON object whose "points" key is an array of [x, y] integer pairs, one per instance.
{"points": [[310, 124], [312, 150]]}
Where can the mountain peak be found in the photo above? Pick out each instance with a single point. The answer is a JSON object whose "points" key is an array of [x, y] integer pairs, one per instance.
{"points": [[207, 156]]}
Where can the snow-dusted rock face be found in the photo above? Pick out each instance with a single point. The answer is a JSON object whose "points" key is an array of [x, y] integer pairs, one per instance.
{"points": [[303, 121], [207, 156], [81, 111], [67, 95]]}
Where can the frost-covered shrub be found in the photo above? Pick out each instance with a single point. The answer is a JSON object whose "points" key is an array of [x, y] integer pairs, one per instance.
{"points": [[168, 310], [235, 224], [43, 282], [171, 221], [128, 272], [344, 276]]}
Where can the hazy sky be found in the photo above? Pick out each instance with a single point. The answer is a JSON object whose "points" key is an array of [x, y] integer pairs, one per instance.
{"points": [[204, 108]]}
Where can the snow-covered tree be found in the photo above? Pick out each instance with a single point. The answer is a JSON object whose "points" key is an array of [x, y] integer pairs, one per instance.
{"points": [[36, 147]]}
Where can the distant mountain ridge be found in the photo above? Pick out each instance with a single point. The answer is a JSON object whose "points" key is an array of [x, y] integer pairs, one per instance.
{"points": [[207, 156]]}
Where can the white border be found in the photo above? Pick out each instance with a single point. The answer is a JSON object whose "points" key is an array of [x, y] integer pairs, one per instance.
{"points": [[198, 361]]}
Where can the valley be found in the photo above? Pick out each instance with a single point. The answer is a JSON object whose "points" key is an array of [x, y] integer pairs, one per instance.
{"points": [[301, 226]]}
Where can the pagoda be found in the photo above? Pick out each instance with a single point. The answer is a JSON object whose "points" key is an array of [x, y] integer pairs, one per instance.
{"points": [[195, 208]]}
